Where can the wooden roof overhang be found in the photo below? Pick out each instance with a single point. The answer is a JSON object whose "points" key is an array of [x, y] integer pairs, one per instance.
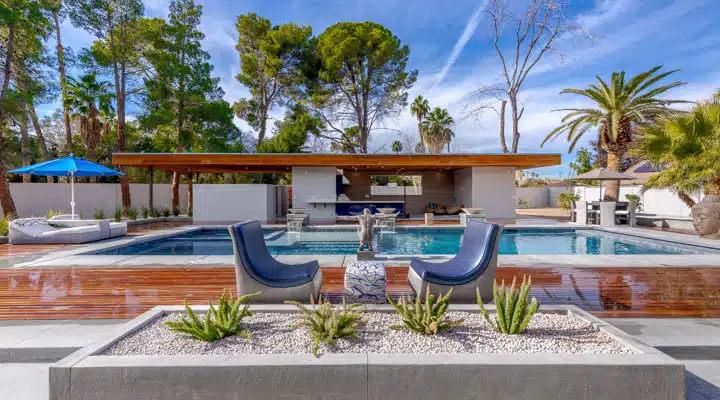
{"points": [[280, 162]]}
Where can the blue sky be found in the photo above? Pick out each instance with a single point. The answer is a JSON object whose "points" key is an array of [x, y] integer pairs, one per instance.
{"points": [[450, 46]]}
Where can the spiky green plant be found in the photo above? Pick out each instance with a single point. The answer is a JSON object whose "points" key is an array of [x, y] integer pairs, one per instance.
{"points": [[425, 318], [99, 214], [166, 212], [145, 212], [219, 322], [326, 322], [52, 213], [132, 213], [4, 224], [117, 215], [155, 213], [175, 211], [514, 310]]}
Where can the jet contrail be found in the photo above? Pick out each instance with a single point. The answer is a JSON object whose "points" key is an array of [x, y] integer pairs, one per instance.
{"points": [[469, 30]]}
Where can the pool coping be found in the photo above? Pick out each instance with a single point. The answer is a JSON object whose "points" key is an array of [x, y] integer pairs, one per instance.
{"points": [[76, 256]]}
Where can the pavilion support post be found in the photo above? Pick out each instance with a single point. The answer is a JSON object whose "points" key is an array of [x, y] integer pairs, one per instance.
{"points": [[151, 172]]}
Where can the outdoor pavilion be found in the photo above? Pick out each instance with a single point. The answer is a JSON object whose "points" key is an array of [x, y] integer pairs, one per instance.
{"points": [[474, 180]]}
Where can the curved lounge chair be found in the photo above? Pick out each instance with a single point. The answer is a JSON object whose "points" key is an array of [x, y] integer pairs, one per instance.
{"points": [[257, 271], [39, 231], [473, 266]]}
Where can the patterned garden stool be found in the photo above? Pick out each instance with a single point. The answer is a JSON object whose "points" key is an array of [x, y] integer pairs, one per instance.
{"points": [[365, 282]]}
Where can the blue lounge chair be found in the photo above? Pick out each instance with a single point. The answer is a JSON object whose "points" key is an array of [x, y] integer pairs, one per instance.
{"points": [[473, 267], [257, 271]]}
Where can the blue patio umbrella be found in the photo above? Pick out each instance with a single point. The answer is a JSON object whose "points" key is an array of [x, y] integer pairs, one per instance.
{"points": [[67, 166]]}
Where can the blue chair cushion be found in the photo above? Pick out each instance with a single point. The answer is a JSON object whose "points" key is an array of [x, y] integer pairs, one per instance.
{"points": [[249, 243], [471, 261]]}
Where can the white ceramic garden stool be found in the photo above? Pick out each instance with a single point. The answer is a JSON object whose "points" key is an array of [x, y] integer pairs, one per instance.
{"points": [[365, 282]]}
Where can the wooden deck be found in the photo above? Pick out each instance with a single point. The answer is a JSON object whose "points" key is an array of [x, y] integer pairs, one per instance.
{"points": [[67, 293]]}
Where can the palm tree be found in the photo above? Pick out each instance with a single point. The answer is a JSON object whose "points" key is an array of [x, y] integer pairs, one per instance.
{"points": [[90, 103], [688, 145], [420, 109], [437, 129], [620, 107], [397, 147]]}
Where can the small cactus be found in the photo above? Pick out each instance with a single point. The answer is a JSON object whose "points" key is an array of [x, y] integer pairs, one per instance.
{"points": [[514, 310], [427, 318]]}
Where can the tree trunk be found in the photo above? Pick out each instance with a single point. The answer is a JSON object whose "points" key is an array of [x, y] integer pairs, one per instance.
{"points": [[503, 143], [686, 199], [190, 192], [6, 200], [24, 145], [612, 188], [124, 180], [38, 131], [515, 121], [420, 133], [263, 128], [40, 136], [63, 85]]}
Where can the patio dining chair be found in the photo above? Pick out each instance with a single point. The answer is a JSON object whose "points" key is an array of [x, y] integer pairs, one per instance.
{"points": [[473, 267], [257, 271]]}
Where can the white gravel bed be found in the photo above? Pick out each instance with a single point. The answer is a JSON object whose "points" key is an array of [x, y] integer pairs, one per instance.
{"points": [[274, 333]]}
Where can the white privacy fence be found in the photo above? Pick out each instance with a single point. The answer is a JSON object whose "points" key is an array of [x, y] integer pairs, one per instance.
{"points": [[36, 199], [654, 201]]}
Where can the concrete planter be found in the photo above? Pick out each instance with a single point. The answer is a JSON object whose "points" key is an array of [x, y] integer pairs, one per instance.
{"points": [[646, 374]]}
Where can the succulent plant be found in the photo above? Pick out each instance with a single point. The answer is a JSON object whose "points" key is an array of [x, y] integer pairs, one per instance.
{"points": [[99, 214], [117, 215], [145, 212], [218, 323], [425, 318], [132, 213], [326, 322], [514, 309]]}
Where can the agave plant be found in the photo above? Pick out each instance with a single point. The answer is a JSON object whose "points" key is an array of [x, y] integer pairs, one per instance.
{"points": [[514, 310], [327, 323], [425, 318], [219, 322]]}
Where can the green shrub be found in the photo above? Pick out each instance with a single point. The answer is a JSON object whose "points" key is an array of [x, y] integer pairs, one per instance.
{"points": [[175, 211], [155, 213], [565, 200], [219, 322], [634, 198], [166, 212], [326, 322], [145, 212], [514, 310], [522, 203], [4, 222], [99, 214], [427, 318], [132, 213], [118, 215], [52, 213]]}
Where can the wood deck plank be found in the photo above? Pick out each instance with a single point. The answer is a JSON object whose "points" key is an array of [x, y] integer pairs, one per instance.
{"points": [[68, 293]]}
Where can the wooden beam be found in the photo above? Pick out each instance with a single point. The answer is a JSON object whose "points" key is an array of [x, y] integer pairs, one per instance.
{"points": [[248, 162]]}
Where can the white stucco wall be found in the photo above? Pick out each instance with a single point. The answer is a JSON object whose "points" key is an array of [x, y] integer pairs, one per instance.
{"points": [[36, 199], [233, 203], [314, 183], [463, 186], [654, 201], [494, 190]]}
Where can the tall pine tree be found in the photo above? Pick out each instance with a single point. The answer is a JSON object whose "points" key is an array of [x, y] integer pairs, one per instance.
{"points": [[183, 94]]}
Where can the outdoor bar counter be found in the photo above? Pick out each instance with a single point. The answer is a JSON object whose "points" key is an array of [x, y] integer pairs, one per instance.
{"points": [[356, 207]]}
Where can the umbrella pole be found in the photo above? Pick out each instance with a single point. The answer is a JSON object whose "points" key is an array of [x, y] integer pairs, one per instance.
{"points": [[72, 195]]}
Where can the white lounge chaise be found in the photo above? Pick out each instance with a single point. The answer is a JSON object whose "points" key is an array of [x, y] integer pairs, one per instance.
{"points": [[39, 231], [67, 220]]}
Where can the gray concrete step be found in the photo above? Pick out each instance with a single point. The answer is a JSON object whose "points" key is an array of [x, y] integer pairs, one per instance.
{"points": [[48, 341]]}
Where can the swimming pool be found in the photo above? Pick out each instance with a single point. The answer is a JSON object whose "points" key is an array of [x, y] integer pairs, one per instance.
{"points": [[514, 241]]}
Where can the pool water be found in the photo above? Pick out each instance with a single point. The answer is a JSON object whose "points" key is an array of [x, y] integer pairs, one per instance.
{"points": [[409, 241]]}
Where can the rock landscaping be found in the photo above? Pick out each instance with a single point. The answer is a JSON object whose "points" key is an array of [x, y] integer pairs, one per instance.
{"points": [[276, 333]]}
